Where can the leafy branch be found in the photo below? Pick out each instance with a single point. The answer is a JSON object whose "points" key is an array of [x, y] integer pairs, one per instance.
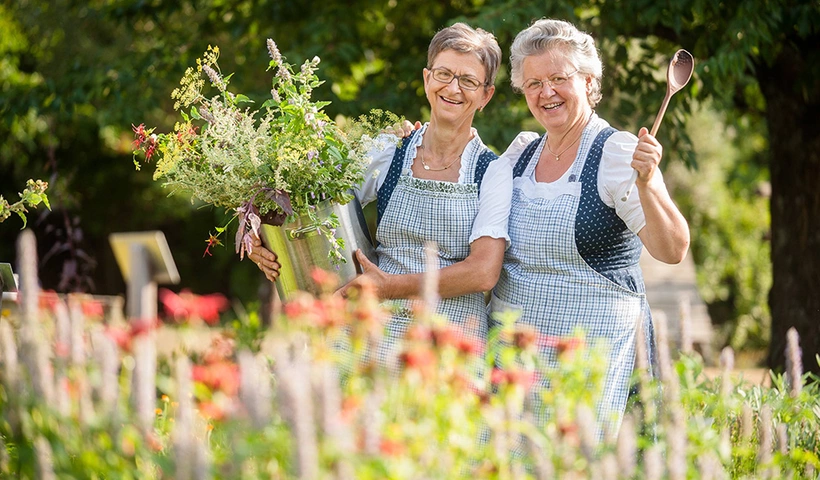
{"points": [[33, 195]]}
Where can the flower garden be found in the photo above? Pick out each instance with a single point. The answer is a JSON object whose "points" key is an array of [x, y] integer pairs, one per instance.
{"points": [[84, 397]]}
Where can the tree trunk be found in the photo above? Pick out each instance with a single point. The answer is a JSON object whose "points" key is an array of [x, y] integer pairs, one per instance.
{"points": [[793, 105]]}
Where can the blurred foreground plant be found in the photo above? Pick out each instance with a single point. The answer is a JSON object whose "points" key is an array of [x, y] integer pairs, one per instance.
{"points": [[318, 402]]}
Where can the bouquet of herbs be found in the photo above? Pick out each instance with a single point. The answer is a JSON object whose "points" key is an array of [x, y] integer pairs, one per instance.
{"points": [[281, 159]]}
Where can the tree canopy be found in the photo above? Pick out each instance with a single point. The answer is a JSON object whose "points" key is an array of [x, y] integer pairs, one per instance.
{"points": [[74, 77]]}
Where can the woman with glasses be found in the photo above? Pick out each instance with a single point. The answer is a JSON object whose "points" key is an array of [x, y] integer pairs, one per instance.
{"points": [[440, 184], [575, 245]]}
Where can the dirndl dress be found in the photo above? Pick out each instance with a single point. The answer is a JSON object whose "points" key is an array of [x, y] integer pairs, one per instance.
{"points": [[572, 264], [413, 211]]}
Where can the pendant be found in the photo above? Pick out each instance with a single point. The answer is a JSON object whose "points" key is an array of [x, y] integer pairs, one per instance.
{"points": [[426, 167]]}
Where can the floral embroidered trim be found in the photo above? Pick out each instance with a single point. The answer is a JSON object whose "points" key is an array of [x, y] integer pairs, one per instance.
{"points": [[435, 186]]}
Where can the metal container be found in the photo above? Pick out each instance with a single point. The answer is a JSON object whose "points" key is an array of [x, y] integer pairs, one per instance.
{"points": [[301, 247]]}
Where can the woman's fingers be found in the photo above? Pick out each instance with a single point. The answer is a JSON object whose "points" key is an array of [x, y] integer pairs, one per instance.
{"points": [[266, 260], [647, 155]]}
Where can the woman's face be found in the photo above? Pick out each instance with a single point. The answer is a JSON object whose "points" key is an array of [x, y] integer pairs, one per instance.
{"points": [[451, 102], [556, 107]]}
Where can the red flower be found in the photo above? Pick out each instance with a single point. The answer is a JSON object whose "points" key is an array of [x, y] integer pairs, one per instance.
{"points": [[93, 308], [570, 344], [140, 134], [514, 376], [470, 346], [444, 335], [48, 300], [187, 306], [120, 336], [421, 359], [123, 336], [211, 410], [212, 242], [223, 376], [391, 448]]}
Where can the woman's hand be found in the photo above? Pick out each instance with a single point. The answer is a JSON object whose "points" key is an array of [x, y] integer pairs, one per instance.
{"points": [[264, 259], [371, 275], [403, 129], [647, 156], [666, 233]]}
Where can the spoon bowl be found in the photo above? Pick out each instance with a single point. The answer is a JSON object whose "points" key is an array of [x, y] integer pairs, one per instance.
{"points": [[677, 76]]}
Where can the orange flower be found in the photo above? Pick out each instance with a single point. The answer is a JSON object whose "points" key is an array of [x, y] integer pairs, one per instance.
{"points": [[391, 448], [211, 411], [223, 376], [421, 359]]}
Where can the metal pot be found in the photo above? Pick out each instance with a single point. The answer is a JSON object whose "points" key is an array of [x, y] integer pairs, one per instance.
{"points": [[301, 247]]}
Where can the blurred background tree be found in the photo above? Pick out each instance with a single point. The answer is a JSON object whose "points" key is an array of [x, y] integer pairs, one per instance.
{"points": [[74, 77]]}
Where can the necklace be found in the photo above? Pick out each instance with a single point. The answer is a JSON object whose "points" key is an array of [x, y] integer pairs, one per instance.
{"points": [[428, 167], [558, 155]]}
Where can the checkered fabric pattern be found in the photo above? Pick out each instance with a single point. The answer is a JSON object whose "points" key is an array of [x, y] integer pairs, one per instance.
{"points": [[560, 291], [422, 210]]}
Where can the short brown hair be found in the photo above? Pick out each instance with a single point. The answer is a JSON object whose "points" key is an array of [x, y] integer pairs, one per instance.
{"points": [[465, 39]]}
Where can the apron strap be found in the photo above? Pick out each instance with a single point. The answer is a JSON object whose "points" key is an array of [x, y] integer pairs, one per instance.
{"points": [[525, 158], [481, 166], [396, 165]]}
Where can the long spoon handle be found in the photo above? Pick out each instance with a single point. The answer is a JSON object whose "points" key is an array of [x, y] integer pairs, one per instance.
{"points": [[653, 132]]}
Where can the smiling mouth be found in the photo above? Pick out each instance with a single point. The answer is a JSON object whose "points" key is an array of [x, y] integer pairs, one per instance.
{"points": [[552, 106], [450, 101]]}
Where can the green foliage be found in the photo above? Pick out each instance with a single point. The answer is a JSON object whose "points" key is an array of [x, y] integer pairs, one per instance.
{"points": [[725, 202], [34, 194]]}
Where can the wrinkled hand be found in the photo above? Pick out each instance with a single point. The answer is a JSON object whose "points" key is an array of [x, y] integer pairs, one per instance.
{"points": [[403, 129], [264, 259], [647, 156], [371, 276]]}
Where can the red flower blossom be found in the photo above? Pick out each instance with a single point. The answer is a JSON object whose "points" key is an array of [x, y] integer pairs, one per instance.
{"points": [[444, 335], [140, 135], [48, 300], [513, 376], [211, 411], [92, 308], [223, 376], [421, 359], [470, 346], [124, 336], [570, 344], [391, 448], [212, 241], [187, 306]]}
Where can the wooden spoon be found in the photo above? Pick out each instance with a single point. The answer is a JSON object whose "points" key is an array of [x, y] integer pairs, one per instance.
{"points": [[677, 76]]}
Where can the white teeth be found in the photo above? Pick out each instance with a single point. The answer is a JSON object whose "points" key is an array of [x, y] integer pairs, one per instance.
{"points": [[550, 106], [451, 100]]}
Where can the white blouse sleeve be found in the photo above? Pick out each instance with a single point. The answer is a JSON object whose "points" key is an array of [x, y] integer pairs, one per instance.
{"points": [[516, 148], [381, 155], [614, 175], [494, 199]]}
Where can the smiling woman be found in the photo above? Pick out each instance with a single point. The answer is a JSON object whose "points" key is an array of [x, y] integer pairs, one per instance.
{"points": [[456, 195], [581, 271]]}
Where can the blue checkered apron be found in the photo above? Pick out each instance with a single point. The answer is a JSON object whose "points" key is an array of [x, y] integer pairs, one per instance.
{"points": [[571, 265], [429, 210]]}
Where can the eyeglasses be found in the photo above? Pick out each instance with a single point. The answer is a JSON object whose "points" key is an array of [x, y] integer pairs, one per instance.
{"points": [[467, 82], [534, 85]]}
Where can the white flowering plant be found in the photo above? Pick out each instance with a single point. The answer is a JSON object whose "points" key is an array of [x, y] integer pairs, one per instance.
{"points": [[266, 164]]}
